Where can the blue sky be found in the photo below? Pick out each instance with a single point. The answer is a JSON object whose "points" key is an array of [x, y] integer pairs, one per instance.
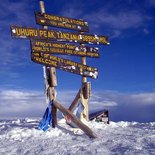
{"points": [[126, 82]]}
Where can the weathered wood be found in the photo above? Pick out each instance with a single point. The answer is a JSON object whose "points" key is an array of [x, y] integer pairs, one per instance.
{"points": [[79, 96], [86, 90], [85, 113], [62, 22], [83, 61], [51, 47], [52, 94], [82, 126], [42, 6], [52, 80], [75, 101], [52, 91], [64, 64], [63, 36], [54, 116], [84, 100]]}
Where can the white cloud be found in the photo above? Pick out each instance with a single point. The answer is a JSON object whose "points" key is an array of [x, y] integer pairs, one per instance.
{"points": [[144, 98], [32, 103], [9, 55], [104, 103], [21, 103], [70, 12], [139, 99], [12, 53], [151, 2], [12, 94], [17, 12], [146, 31], [72, 9], [116, 33], [120, 20]]}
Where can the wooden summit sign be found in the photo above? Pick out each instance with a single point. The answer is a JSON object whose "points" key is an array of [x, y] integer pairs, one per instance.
{"points": [[64, 64], [46, 42], [63, 48], [62, 22], [24, 32]]}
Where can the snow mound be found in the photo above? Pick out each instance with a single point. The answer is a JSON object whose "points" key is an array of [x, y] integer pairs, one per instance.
{"points": [[21, 137]]}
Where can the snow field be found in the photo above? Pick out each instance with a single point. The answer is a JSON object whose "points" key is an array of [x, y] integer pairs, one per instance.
{"points": [[21, 137]]}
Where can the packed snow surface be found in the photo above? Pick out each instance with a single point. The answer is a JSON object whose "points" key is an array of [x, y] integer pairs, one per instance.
{"points": [[21, 137]]}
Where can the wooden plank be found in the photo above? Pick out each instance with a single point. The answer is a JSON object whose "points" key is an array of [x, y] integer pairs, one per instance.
{"points": [[64, 64], [75, 101], [25, 32], [86, 93], [62, 22], [82, 126], [63, 48]]}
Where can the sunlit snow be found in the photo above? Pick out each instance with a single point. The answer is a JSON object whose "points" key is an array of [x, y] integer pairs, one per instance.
{"points": [[21, 137]]}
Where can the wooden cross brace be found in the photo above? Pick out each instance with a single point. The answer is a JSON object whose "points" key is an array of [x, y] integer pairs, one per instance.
{"points": [[79, 123]]}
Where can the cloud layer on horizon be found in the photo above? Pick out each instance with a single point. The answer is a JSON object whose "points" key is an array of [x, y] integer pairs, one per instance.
{"points": [[131, 107]]}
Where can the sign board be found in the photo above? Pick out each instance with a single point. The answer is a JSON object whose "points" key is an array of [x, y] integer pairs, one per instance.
{"points": [[64, 64], [63, 48], [24, 32], [62, 22]]}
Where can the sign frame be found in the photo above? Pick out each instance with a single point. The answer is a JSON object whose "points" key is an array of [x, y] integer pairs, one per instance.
{"points": [[62, 36], [52, 47], [61, 22], [64, 64]]}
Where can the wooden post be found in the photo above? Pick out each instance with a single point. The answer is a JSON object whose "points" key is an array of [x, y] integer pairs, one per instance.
{"points": [[84, 79], [52, 80], [79, 123], [85, 114], [84, 101], [86, 90]]}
